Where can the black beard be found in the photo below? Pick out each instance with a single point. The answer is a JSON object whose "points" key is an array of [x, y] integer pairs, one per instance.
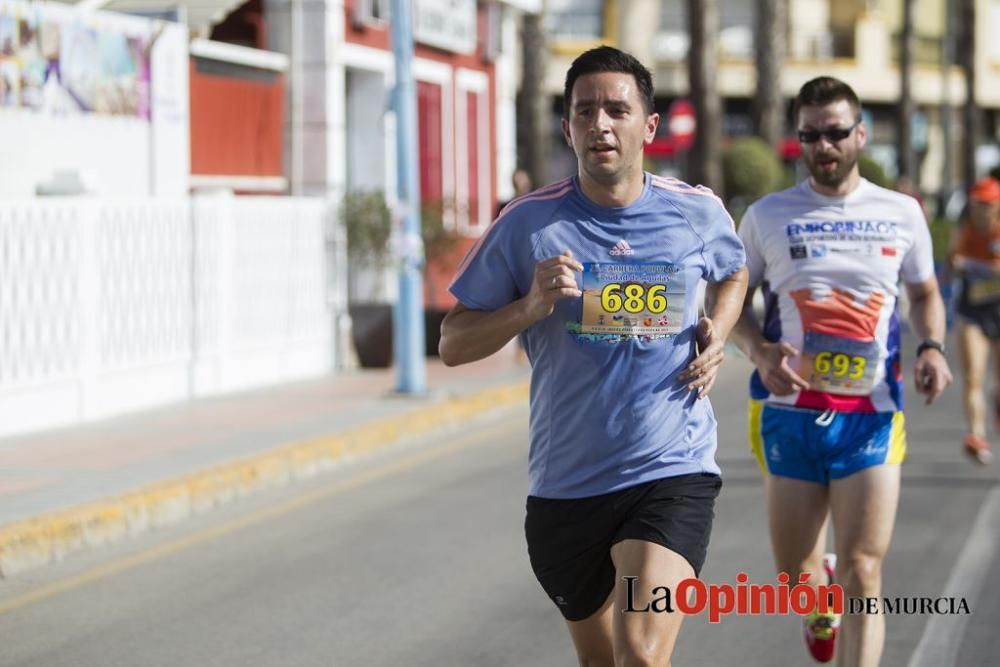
{"points": [[831, 179]]}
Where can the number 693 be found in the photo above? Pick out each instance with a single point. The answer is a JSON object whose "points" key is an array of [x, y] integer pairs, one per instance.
{"points": [[840, 365]]}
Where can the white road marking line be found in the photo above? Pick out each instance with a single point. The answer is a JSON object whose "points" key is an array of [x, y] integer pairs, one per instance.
{"points": [[942, 639]]}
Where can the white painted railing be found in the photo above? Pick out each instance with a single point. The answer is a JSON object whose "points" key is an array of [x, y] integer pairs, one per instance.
{"points": [[108, 306]]}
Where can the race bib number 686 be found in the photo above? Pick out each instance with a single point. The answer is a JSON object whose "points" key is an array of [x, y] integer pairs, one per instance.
{"points": [[632, 299]]}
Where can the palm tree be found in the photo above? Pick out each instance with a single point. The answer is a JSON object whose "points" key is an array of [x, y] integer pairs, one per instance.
{"points": [[533, 112], [970, 112], [907, 159], [705, 164], [770, 44]]}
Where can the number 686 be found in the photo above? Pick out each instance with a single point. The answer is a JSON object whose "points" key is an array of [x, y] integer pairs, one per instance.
{"points": [[633, 298]]}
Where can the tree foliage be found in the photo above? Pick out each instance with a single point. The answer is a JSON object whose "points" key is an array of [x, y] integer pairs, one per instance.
{"points": [[750, 169]]}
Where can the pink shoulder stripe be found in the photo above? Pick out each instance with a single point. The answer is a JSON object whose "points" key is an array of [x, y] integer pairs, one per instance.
{"points": [[553, 191], [547, 188], [676, 185], [535, 194], [548, 192]]}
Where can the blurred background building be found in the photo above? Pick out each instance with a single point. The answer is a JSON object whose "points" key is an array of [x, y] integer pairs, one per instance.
{"points": [[855, 40]]}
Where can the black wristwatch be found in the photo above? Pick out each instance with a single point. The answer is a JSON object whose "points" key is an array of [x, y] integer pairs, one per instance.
{"points": [[930, 344]]}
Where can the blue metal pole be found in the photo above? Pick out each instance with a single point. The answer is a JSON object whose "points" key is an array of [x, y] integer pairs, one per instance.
{"points": [[408, 316]]}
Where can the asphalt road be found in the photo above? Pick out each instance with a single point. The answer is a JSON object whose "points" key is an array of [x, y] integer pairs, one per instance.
{"points": [[416, 557]]}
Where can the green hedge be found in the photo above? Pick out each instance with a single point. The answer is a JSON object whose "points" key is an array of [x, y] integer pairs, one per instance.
{"points": [[873, 171], [750, 170], [941, 237]]}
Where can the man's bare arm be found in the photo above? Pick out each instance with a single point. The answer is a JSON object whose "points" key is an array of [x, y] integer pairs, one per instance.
{"points": [[470, 335], [771, 359], [724, 301], [746, 332], [930, 372], [722, 306]]}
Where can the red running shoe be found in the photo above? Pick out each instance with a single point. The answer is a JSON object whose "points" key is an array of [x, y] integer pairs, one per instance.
{"points": [[820, 629], [978, 448]]}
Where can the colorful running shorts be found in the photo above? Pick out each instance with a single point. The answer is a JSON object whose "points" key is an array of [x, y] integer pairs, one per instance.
{"points": [[817, 445]]}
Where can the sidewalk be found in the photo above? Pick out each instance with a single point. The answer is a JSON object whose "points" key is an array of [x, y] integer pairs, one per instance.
{"points": [[68, 489]]}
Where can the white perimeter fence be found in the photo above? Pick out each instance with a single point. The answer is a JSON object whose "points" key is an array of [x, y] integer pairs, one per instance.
{"points": [[108, 306]]}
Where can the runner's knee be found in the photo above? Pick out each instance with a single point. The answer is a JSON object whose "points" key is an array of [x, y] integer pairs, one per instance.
{"points": [[594, 650], [641, 652], [637, 654], [973, 381], [863, 572], [595, 660]]}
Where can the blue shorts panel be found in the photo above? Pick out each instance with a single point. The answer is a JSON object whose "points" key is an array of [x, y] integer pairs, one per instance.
{"points": [[792, 444]]}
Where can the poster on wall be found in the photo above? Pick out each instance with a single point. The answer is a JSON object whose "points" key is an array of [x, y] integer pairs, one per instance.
{"points": [[9, 73], [56, 60], [31, 59]]}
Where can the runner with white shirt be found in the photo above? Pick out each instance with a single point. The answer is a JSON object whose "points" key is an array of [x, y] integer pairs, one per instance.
{"points": [[826, 420]]}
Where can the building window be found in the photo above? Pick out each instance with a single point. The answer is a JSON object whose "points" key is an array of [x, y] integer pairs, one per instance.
{"points": [[370, 12], [844, 17], [575, 19], [673, 41], [735, 30], [736, 18], [929, 21], [492, 31], [473, 155], [472, 163]]}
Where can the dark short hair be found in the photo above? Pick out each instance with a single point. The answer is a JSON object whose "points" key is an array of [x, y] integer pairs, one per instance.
{"points": [[609, 59], [825, 90]]}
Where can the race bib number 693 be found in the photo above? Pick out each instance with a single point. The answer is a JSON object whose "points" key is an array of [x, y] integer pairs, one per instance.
{"points": [[839, 365]]}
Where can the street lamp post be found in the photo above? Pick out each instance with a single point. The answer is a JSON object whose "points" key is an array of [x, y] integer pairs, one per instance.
{"points": [[408, 316]]}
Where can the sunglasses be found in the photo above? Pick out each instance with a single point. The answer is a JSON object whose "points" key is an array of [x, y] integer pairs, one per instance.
{"points": [[833, 135]]}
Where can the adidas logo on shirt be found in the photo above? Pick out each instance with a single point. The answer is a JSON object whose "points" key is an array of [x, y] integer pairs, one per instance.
{"points": [[621, 248]]}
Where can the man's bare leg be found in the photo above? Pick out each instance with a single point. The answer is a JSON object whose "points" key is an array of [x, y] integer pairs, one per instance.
{"points": [[644, 639], [973, 348], [592, 637], [864, 511], [797, 515]]}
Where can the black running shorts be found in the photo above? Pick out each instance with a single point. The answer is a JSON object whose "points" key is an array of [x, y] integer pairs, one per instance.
{"points": [[569, 541], [984, 315]]}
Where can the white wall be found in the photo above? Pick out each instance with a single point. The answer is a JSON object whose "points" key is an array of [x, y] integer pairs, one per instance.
{"points": [[113, 305], [171, 121], [112, 153]]}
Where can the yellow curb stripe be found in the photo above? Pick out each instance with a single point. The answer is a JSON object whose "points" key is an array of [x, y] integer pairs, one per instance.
{"points": [[43, 539], [158, 552]]}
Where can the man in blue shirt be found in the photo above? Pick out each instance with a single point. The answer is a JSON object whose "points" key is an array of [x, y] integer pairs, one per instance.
{"points": [[598, 275]]}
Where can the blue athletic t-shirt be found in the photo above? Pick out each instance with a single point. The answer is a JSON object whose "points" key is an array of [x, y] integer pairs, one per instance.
{"points": [[607, 411]]}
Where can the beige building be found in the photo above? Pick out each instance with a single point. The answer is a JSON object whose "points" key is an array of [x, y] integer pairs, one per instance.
{"points": [[851, 39]]}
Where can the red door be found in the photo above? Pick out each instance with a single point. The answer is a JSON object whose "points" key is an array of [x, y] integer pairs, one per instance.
{"points": [[429, 129]]}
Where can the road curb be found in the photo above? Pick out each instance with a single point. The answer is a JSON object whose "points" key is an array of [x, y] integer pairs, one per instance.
{"points": [[37, 541]]}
